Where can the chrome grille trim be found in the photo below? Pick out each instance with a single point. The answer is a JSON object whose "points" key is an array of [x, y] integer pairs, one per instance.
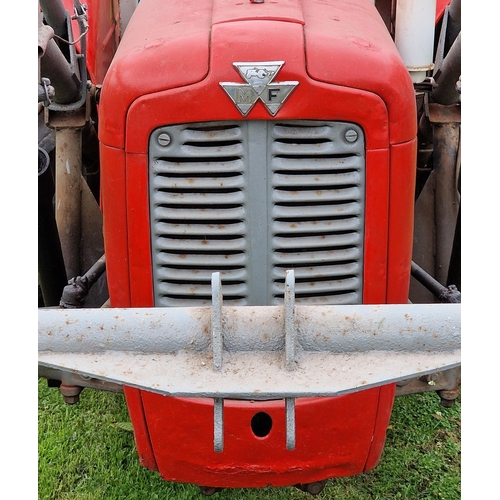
{"points": [[251, 199]]}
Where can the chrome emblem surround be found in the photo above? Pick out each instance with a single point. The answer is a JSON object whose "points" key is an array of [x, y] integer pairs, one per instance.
{"points": [[259, 84]]}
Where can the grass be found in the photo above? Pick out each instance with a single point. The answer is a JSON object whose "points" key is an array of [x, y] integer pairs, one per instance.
{"points": [[86, 453]]}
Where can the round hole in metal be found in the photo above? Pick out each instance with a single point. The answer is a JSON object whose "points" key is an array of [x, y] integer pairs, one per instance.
{"points": [[261, 424]]}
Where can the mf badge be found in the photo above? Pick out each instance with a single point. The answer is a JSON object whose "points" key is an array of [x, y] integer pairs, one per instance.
{"points": [[259, 84]]}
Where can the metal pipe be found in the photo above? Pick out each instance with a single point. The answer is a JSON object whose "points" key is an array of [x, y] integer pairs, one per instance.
{"points": [[444, 294], [448, 75], [56, 15], [447, 197], [336, 329], [454, 22], [45, 33], [55, 67], [53, 64], [68, 196]]}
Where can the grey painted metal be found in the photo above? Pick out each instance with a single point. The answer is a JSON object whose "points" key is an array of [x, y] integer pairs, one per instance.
{"points": [[340, 349], [290, 331], [250, 199], [218, 425], [69, 378], [217, 335], [290, 423]]}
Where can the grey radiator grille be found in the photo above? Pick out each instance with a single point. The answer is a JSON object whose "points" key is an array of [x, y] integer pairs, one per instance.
{"points": [[251, 199]]}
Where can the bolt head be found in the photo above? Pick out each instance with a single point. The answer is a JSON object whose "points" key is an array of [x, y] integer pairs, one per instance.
{"points": [[164, 139], [351, 135], [71, 400]]}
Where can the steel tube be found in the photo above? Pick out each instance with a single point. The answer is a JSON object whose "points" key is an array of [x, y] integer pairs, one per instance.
{"points": [[56, 15], [446, 92], [447, 197], [55, 67], [45, 34], [334, 329], [454, 22], [428, 281], [68, 196], [96, 271]]}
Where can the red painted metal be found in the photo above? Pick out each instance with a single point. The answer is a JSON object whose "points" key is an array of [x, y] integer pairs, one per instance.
{"points": [[103, 35], [401, 206], [334, 438], [167, 71]]}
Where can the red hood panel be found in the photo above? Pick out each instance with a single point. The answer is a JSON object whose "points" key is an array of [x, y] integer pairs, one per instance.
{"points": [[348, 44], [167, 46], [243, 10]]}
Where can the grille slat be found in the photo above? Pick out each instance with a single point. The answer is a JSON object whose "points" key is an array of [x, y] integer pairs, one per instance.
{"points": [[207, 198], [193, 167], [319, 272], [314, 226], [197, 290], [315, 196], [196, 275], [201, 183], [221, 246], [332, 241], [292, 259], [220, 229], [316, 181], [318, 164], [251, 200], [198, 260], [212, 214], [321, 287], [317, 211]]}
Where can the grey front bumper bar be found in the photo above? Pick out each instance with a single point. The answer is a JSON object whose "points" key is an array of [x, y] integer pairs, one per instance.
{"points": [[263, 352]]}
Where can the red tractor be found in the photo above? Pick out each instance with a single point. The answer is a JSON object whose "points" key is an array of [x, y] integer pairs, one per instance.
{"points": [[249, 223]]}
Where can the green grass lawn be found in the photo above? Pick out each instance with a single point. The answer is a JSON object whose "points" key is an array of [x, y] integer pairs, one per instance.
{"points": [[86, 452]]}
